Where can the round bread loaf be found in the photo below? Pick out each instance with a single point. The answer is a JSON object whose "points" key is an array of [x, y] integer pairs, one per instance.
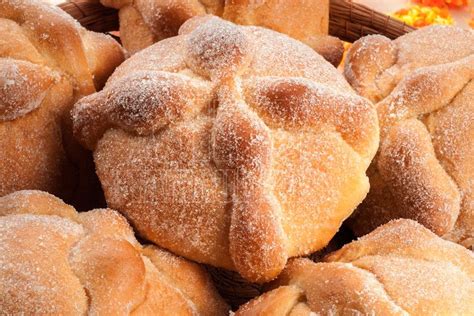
{"points": [[230, 145], [401, 268], [423, 83], [47, 61], [54, 260]]}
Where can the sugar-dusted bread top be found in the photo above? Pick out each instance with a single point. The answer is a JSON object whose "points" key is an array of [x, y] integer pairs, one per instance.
{"points": [[375, 64], [231, 145], [47, 62], [401, 268], [54, 260], [39, 46], [144, 22], [423, 83]]}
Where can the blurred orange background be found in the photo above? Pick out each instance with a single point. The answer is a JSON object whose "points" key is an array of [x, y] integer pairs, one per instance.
{"points": [[389, 6]]}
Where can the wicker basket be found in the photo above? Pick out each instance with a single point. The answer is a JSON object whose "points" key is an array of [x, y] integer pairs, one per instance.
{"points": [[348, 21], [92, 15], [232, 287]]}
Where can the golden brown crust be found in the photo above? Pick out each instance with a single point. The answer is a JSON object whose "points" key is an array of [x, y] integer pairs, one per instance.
{"points": [[143, 22], [430, 196], [32, 155], [103, 56], [402, 237], [306, 21], [99, 267], [375, 64], [401, 268], [195, 285], [299, 19], [47, 61], [131, 104], [423, 83], [299, 103], [194, 143], [331, 48], [134, 33], [25, 86], [278, 302], [30, 202], [60, 40], [366, 59]]}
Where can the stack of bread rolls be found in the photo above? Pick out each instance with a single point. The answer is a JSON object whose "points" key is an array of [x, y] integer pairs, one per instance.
{"points": [[236, 147]]}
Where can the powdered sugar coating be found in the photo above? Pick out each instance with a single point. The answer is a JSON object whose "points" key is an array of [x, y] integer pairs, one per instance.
{"points": [[54, 260], [144, 22], [422, 82], [24, 287], [23, 88], [401, 268], [47, 61], [44, 27], [376, 64], [263, 134]]}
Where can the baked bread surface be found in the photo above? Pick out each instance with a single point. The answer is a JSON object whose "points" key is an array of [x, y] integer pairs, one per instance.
{"points": [[401, 268], [230, 145], [424, 89], [47, 61], [54, 260], [144, 22]]}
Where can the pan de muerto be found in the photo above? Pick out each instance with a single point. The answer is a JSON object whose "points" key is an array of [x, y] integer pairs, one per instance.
{"points": [[47, 61], [424, 170], [230, 145], [401, 268], [55, 261]]}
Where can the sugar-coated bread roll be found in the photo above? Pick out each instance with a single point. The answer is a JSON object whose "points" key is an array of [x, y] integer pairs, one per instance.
{"points": [[231, 145], [55, 261], [401, 268], [423, 83], [144, 22], [47, 61]]}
